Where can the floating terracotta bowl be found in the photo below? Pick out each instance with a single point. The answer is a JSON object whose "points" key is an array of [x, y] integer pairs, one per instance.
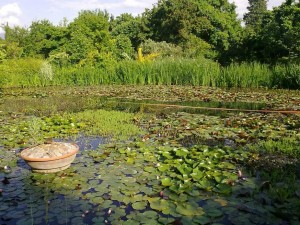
{"points": [[50, 158]]}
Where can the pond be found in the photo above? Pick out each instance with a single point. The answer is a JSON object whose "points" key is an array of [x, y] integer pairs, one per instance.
{"points": [[150, 162]]}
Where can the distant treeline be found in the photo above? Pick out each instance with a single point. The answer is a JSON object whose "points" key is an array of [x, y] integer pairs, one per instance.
{"points": [[197, 42]]}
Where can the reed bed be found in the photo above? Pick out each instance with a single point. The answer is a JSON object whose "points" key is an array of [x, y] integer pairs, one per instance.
{"points": [[168, 71]]}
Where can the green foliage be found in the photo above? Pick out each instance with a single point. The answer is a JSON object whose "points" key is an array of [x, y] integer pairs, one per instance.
{"points": [[276, 37], [287, 146], [256, 11], [16, 34], [281, 35], [123, 48], [169, 71], [245, 75], [176, 21], [2, 52], [88, 35], [9, 50], [286, 76], [46, 73], [196, 47], [107, 123], [20, 72], [43, 38], [163, 48], [130, 26], [60, 59], [96, 49]]}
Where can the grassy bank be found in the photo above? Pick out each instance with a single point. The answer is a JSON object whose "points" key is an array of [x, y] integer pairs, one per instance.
{"points": [[197, 72]]}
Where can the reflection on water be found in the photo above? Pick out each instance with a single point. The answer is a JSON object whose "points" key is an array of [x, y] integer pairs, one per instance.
{"points": [[50, 105]]}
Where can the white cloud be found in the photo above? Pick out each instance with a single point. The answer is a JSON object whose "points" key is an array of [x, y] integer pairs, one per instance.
{"points": [[115, 7], [10, 14], [10, 9], [274, 3], [241, 7]]}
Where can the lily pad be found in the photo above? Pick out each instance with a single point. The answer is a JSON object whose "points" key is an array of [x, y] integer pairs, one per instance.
{"points": [[188, 210], [139, 205]]}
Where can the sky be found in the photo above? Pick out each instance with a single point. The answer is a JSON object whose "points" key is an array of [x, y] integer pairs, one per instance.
{"points": [[23, 12]]}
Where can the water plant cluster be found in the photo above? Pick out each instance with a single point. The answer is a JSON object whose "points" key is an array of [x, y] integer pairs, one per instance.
{"points": [[152, 167]]}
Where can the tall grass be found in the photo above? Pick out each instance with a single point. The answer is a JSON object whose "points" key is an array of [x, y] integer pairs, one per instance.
{"points": [[286, 76], [167, 71], [245, 75]]}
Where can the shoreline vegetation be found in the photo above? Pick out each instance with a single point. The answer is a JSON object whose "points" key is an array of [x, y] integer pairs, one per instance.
{"points": [[169, 71]]}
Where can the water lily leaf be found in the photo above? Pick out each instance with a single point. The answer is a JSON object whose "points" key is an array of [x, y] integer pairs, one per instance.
{"points": [[150, 214], [99, 220], [97, 200], [184, 169], [164, 167], [130, 160], [226, 165], [149, 221], [197, 174], [167, 155], [188, 210], [139, 205], [168, 220], [131, 222], [149, 169], [214, 212], [139, 197], [223, 188], [182, 152], [202, 220], [222, 202], [205, 184], [158, 203], [166, 182]]}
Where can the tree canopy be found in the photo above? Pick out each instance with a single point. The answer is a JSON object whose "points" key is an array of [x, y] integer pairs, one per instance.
{"points": [[186, 28]]}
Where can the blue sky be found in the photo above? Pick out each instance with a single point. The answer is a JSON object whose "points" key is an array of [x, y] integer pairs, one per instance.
{"points": [[23, 12]]}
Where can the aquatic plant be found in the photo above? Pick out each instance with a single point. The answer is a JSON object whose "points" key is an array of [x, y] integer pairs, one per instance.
{"points": [[164, 167]]}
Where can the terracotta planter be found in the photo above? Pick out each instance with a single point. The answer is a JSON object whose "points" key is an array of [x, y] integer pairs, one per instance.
{"points": [[50, 158]]}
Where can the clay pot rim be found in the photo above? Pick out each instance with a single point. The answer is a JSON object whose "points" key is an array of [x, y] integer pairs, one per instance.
{"points": [[50, 159]]}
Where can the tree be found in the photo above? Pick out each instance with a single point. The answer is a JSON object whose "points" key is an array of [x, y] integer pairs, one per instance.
{"points": [[276, 37], [280, 33], [15, 34], [88, 35], [256, 11], [15, 41], [130, 26], [213, 22], [44, 38]]}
